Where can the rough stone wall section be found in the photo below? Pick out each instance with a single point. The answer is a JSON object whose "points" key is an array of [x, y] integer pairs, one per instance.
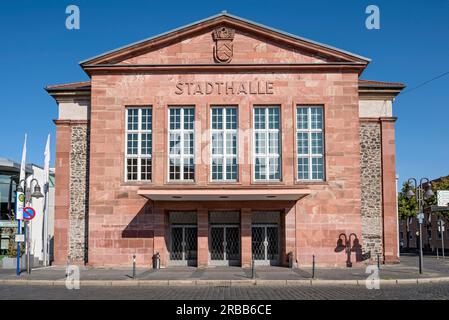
{"points": [[371, 179], [78, 193]]}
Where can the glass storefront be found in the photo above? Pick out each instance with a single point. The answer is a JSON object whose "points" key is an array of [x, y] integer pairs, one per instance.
{"points": [[7, 204]]}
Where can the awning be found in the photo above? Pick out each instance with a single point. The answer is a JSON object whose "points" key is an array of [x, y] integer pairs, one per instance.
{"points": [[203, 194]]}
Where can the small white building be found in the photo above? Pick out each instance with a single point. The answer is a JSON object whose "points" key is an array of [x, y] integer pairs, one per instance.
{"points": [[9, 178]]}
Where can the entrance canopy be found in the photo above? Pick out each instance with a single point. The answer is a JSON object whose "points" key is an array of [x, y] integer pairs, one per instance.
{"points": [[208, 194]]}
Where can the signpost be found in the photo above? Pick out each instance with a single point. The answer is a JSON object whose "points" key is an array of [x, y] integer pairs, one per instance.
{"points": [[28, 214], [441, 231], [442, 206], [20, 202], [420, 217]]}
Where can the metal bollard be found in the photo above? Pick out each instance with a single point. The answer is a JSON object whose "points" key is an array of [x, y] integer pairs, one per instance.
{"points": [[438, 255], [313, 267], [67, 267], [134, 266], [290, 259], [156, 260], [252, 269]]}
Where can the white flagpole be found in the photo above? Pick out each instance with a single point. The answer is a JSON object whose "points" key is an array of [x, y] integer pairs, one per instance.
{"points": [[46, 189], [19, 203]]}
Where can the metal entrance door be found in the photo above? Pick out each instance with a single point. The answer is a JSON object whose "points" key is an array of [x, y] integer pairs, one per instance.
{"points": [[224, 245], [183, 245], [265, 244]]}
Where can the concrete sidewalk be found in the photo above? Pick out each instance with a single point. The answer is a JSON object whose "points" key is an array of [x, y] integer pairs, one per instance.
{"points": [[407, 272]]}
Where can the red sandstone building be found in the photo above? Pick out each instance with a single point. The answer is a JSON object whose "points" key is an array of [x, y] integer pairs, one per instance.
{"points": [[221, 142]]}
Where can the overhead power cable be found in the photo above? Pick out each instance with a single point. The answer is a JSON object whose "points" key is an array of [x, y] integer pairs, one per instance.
{"points": [[425, 83]]}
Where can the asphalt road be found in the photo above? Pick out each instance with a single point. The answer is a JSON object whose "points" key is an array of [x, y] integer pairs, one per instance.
{"points": [[390, 292]]}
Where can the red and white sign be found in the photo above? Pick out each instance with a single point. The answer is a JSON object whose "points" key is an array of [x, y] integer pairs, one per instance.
{"points": [[28, 213]]}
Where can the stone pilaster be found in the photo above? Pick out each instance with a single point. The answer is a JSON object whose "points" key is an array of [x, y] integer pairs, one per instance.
{"points": [[203, 237], [371, 179], [78, 186], [390, 215], [245, 225]]}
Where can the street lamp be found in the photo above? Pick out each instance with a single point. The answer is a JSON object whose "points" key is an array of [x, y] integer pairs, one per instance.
{"points": [[423, 191], [35, 194], [37, 188], [344, 243]]}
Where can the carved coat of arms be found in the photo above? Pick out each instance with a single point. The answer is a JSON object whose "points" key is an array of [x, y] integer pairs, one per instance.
{"points": [[223, 49]]}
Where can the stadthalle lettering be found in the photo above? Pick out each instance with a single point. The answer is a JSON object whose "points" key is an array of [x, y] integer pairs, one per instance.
{"points": [[224, 88]]}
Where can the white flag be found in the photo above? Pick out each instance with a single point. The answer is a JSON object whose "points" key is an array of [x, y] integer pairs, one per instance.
{"points": [[23, 163], [47, 162], [20, 198], [46, 187]]}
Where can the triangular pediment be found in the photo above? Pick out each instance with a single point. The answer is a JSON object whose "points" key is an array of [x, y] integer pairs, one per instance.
{"points": [[224, 39]]}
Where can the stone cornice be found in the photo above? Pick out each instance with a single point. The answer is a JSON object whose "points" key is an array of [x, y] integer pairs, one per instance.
{"points": [[388, 119], [67, 122], [228, 68], [378, 119]]}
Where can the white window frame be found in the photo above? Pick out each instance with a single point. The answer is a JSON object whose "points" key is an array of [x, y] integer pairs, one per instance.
{"points": [[225, 132], [181, 156], [310, 131], [139, 156], [267, 155]]}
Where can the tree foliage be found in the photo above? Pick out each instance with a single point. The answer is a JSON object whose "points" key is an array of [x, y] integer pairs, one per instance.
{"points": [[442, 184], [408, 207]]}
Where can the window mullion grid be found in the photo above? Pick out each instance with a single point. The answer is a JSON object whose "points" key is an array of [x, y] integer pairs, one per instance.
{"points": [[254, 144], [299, 145], [139, 144], [223, 155], [212, 156], [315, 155], [309, 129], [267, 144], [269, 155], [126, 145], [310, 154], [233, 155], [146, 156], [227, 156], [225, 144], [181, 147], [130, 155], [257, 154], [318, 155], [192, 155]]}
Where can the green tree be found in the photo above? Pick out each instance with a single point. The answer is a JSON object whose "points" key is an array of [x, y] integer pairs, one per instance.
{"points": [[442, 184], [407, 208]]}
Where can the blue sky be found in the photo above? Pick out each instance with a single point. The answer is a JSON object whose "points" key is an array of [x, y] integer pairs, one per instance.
{"points": [[412, 46]]}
